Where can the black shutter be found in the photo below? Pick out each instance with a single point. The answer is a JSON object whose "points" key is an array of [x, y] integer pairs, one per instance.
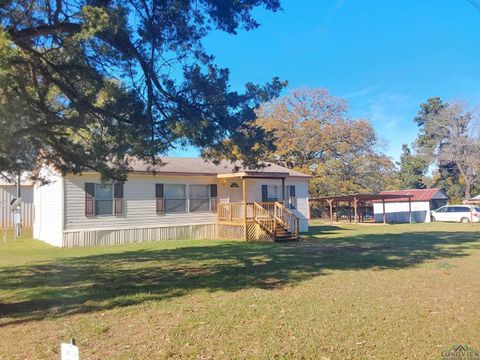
{"points": [[159, 198], [264, 193], [293, 197], [213, 197], [118, 198], [292, 190], [89, 199], [213, 190]]}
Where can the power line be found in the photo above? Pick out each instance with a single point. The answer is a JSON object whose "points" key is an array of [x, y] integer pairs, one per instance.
{"points": [[474, 3]]}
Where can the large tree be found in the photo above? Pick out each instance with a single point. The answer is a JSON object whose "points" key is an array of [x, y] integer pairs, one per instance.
{"points": [[314, 134], [87, 84], [449, 137]]}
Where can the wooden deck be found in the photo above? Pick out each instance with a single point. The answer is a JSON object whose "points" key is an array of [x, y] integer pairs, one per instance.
{"points": [[257, 221]]}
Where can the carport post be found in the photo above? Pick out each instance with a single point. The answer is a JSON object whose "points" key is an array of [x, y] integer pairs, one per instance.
{"points": [[410, 209], [331, 210], [384, 216], [355, 204]]}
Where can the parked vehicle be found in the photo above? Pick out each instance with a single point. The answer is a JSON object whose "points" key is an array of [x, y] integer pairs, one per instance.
{"points": [[457, 213]]}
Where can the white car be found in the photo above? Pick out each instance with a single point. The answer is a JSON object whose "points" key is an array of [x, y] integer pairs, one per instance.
{"points": [[457, 213]]}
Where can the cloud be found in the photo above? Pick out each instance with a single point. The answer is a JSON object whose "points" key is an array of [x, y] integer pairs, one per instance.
{"points": [[360, 93]]}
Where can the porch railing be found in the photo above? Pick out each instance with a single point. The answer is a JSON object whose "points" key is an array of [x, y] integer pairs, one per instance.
{"points": [[287, 219], [234, 212], [267, 214], [265, 219]]}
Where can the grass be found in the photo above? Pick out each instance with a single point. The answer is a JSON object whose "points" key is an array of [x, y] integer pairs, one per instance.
{"points": [[346, 292]]}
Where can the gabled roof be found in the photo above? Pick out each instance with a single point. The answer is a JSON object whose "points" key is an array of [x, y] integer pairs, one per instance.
{"points": [[416, 194], [199, 166]]}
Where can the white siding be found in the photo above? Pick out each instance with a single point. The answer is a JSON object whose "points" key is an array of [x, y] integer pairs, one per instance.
{"points": [[398, 212], [48, 203], [7, 194], [139, 204]]}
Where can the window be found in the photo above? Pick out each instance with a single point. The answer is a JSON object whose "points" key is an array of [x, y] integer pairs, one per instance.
{"points": [[103, 199], [199, 198], [272, 193], [175, 198]]}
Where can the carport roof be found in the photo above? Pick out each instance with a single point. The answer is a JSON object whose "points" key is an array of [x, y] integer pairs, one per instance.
{"points": [[415, 194], [364, 197]]}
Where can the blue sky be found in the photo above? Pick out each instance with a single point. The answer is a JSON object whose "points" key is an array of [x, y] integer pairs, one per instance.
{"points": [[385, 57]]}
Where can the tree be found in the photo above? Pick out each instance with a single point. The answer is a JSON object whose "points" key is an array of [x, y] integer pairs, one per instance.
{"points": [[449, 136], [312, 133], [88, 84], [461, 144], [446, 176], [412, 170]]}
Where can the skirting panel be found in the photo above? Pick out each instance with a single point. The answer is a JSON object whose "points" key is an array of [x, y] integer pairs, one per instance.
{"points": [[82, 238], [254, 232], [230, 232]]}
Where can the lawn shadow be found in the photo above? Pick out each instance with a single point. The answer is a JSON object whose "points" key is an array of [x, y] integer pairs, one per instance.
{"points": [[99, 282]]}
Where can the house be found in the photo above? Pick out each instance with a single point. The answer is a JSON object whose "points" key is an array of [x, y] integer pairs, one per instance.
{"points": [[417, 202], [8, 192], [473, 201], [188, 198]]}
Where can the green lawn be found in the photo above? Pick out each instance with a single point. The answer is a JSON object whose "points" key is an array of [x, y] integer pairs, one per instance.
{"points": [[346, 292]]}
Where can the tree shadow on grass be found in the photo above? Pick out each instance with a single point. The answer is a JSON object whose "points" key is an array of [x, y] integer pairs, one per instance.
{"points": [[99, 282]]}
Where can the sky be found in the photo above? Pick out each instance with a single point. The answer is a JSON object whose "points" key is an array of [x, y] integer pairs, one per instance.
{"points": [[384, 56]]}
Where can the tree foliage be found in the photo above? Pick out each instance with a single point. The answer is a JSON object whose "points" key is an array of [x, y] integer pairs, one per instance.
{"points": [[87, 84], [314, 134], [412, 170]]}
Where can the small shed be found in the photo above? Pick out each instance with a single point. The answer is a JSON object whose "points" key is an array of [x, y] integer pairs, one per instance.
{"points": [[8, 192], [421, 202]]}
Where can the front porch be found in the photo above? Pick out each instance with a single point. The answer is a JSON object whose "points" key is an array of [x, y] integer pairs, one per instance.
{"points": [[256, 221]]}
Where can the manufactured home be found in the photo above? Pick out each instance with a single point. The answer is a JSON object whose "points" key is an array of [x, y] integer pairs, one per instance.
{"points": [[417, 205], [187, 198]]}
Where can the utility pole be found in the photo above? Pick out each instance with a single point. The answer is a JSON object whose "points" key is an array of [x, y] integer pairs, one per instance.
{"points": [[18, 212]]}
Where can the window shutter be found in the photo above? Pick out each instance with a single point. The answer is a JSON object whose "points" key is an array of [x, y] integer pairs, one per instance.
{"points": [[118, 198], [213, 197], [264, 193], [159, 198], [293, 197], [89, 199], [213, 190], [292, 190]]}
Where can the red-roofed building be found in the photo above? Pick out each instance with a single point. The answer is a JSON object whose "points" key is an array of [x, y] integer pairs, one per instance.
{"points": [[422, 201]]}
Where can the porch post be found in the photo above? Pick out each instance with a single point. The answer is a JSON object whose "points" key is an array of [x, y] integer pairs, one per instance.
{"points": [[284, 193], [244, 185]]}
